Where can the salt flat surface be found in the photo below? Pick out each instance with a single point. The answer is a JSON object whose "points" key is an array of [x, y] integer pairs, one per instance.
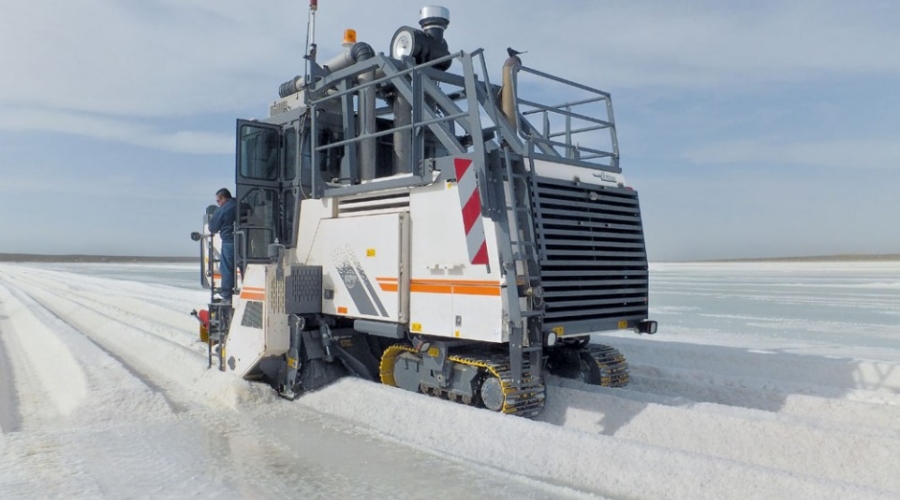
{"points": [[764, 381]]}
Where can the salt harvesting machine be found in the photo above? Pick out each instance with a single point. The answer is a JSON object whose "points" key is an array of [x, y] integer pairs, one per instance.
{"points": [[425, 228]]}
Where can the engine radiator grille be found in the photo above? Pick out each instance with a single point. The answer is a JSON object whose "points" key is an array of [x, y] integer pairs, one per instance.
{"points": [[592, 255]]}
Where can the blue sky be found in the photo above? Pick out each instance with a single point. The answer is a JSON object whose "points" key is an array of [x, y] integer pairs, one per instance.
{"points": [[750, 128]]}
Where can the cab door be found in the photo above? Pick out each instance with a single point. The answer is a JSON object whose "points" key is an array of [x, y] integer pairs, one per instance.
{"points": [[258, 173]]}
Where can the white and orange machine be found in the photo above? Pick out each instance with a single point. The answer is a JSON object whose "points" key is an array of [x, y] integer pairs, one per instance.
{"points": [[430, 230]]}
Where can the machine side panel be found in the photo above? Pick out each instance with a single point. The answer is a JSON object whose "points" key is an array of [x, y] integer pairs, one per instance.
{"points": [[449, 295], [246, 342], [361, 265], [275, 323], [311, 212], [469, 318]]}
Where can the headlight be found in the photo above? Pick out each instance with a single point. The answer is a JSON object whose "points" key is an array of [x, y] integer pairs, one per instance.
{"points": [[404, 42]]}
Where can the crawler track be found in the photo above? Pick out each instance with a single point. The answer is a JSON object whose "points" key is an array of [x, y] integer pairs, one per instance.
{"points": [[525, 399], [611, 367]]}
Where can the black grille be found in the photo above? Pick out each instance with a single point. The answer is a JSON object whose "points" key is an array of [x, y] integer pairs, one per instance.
{"points": [[593, 257], [304, 290], [253, 315]]}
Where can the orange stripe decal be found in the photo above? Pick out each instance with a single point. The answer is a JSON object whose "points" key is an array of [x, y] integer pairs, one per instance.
{"points": [[248, 295], [425, 281], [415, 287], [477, 290], [445, 286], [433, 281], [217, 276]]}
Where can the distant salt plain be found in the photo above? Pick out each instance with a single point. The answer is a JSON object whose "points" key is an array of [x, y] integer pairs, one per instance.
{"points": [[766, 380]]}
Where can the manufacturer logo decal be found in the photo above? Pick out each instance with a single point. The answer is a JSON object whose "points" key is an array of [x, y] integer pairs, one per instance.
{"points": [[364, 297], [605, 176]]}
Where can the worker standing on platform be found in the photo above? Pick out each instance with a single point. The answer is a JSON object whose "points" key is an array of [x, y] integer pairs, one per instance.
{"points": [[222, 222]]}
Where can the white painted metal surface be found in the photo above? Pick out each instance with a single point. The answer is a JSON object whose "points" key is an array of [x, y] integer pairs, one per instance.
{"points": [[361, 265], [248, 343], [565, 172]]}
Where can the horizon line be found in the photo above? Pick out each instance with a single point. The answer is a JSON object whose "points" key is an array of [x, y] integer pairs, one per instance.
{"points": [[34, 257]]}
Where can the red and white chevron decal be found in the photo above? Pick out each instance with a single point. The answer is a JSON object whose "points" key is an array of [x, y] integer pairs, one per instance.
{"points": [[470, 200]]}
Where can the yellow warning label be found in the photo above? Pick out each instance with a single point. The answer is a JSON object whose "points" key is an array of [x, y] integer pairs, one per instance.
{"points": [[623, 324], [433, 352], [558, 330], [416, 327], [370, 252]]}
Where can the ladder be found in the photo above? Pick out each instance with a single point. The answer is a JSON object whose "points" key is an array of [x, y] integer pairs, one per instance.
{"points": [[521, 262], [219, 312]]}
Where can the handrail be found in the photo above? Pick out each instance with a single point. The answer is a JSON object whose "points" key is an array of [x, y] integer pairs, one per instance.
{"points": [[417, 83], [574, 121], [443, 104], [563, 112], [576, 103], [562, 80], [401, 128]]}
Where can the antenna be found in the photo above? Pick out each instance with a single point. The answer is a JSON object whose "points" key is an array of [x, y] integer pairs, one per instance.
{"points": [[310, 52]]}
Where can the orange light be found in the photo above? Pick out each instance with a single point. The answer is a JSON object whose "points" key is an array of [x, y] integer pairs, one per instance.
{"points": [[349, 37], [342, 310]]}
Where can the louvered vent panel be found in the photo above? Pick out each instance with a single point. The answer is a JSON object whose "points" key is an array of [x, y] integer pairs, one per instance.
{"points": [[593, 258]]}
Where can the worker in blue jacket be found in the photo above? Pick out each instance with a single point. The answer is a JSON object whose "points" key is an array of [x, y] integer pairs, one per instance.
{"points": [[222, 222]]}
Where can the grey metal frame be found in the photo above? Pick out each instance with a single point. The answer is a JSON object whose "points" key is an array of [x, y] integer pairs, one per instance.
{"points": [[544, 137], [505, 166], [420, 84]]}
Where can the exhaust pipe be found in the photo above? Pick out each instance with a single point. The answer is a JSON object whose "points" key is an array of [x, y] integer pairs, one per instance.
{"points": [[508, 90], [354, 53]]}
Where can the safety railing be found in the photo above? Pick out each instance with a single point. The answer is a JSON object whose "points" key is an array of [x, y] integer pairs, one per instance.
{"points": [[443, 107], [581, 131]]}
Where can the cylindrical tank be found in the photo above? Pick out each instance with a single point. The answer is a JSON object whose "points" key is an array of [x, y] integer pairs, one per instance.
{"points": [[368, 152], [402, 138]]}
